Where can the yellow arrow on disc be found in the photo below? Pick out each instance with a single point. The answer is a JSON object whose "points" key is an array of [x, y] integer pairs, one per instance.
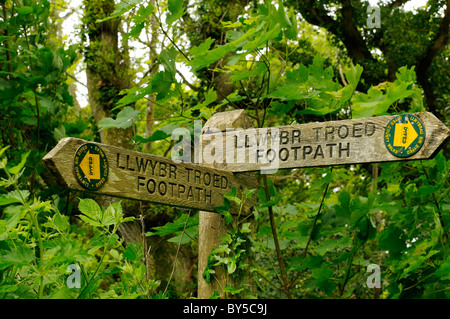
{"points": [[404, 134], [90, 165]]}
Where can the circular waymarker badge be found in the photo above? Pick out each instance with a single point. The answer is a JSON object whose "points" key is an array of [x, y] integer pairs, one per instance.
{"points": [[404, 135], [90, 166]]}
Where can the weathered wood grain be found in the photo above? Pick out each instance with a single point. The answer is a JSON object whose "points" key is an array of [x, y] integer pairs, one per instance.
{"points": [[146, 177], [341, 142], [212, 227]]}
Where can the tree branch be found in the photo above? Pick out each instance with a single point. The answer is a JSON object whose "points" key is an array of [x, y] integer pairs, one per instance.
{"points": [[397, 3], [346, 31], [439, 42]]}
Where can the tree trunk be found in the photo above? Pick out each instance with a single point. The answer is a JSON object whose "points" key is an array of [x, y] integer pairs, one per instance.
{"points": [[108, 73], [108, 68]]}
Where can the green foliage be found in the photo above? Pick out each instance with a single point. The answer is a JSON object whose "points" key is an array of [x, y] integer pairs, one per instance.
{"points": [[38, 243], [125, 119], [331, 223], [375, 102], [235, 248], [184, 229]]}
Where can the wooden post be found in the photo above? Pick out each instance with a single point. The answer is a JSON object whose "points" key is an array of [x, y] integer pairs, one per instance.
{"points": [[212, 226]]}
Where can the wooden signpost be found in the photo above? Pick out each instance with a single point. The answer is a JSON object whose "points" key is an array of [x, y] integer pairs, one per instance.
{"points": [[245, 149], [368, 140], [118, 172], [237, 147]]}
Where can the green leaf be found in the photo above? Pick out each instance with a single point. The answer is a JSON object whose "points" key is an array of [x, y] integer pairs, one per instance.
{"points": [[201, 48], [8, 200], [245, 228], [125, 119], [225, 210], [133, 252], [17, 195], [167, 59], [24, 10], [109, 216], [208, 57], [160, 134], [263, 38], [231, 265], [243, 74], [175, 226], [143, 13], [4, 149], [3, 230], [444, 269], [92, 212], [391, 239], [176, 11], [292, 30], [282, 17], [61, 222], [16, 257], [232, 196], [16, 169], [121, 8], [323, 279], [232, 290], [161, 84], [133, 95]]}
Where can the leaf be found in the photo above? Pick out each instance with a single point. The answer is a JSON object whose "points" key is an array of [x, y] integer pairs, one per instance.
{"points": [[24, 10], [61, 222], [133, 95], [121, 8], [210, 97], [92, 212], [16, 169], [133, 252], [3, 230], [176, 11], [282, 17], [245, 228], [208, 57], [143, 13], [323, 279], [175, 226], [232, 290], [231, 265], [232, 196], [59, 132], [263, 38], [167, 59], [16, 257], [125, 119], [161, 84], [108, 217], [4, 149], [292, 30], [391, 239], [18, 196], [8, 200], [444, 269], [47, 104], [202, 48]]}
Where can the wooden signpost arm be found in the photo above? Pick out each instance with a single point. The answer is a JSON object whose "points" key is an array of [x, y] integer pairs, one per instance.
{"points": [[114, 171], [355, 141]]}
